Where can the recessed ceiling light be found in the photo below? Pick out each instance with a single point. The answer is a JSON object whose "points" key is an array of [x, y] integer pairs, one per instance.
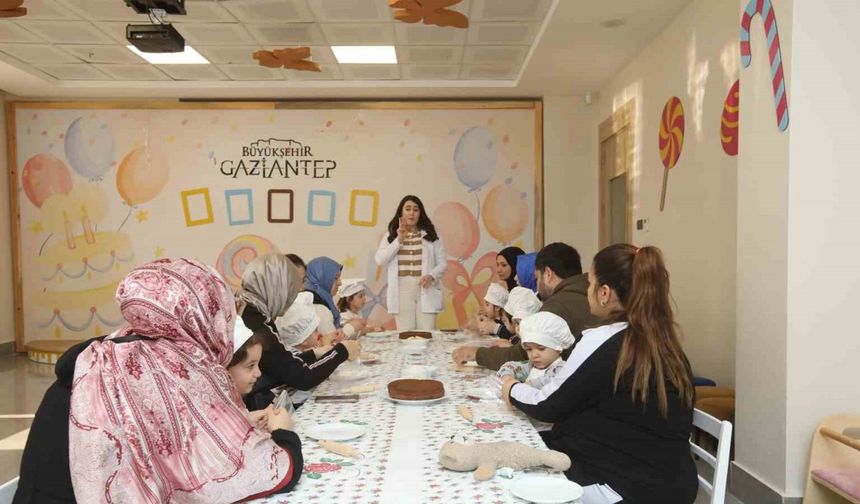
{"points": [[365, 54], [613, 23], [187, 57]]}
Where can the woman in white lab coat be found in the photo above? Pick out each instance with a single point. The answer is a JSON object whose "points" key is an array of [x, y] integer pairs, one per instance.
{"points": [[415, 258]]}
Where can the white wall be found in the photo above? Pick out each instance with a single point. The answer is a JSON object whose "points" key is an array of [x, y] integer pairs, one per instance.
{"points": [[696, 59], [570, 179], [7, 305], [823, 225]]}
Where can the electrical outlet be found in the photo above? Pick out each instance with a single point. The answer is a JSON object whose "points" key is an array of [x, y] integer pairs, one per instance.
{"points": [[642, 225]]}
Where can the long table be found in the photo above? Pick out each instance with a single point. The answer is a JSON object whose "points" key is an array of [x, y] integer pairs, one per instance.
{"points": [[401, 449]]}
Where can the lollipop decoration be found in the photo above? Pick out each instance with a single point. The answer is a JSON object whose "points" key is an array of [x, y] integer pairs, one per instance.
{"points": [[765, 8], [238, 254], [729, 121], [671, 139]]}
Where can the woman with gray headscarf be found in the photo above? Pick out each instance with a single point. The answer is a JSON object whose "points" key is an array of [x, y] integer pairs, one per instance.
{"points": [[269, 286]]}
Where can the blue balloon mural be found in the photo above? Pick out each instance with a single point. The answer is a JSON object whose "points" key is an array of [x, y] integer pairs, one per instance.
{"points": [[475, 157], [89, 147]]}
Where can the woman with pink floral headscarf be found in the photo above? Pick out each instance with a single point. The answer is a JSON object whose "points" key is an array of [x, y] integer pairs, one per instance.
{"points": [[152, 413]]}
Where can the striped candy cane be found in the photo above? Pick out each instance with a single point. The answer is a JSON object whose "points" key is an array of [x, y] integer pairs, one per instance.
{"points": [[765, 8]]}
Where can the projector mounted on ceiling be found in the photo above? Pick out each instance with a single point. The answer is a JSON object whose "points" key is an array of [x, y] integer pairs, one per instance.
{"points": [[168, 6], [158, 37]]}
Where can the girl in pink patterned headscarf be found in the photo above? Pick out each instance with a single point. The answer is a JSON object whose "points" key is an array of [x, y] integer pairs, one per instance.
{"points": [[157, 419]]}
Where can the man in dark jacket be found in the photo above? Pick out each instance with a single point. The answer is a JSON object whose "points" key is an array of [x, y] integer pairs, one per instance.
{"points": [[564, 290]]}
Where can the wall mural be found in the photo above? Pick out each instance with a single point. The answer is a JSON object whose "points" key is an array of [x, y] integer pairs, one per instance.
{"points": [[671, 140], [768, 16]]}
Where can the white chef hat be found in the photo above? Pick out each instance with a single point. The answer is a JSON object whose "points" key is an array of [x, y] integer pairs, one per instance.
{"points": [[299, 322], [350, 286], [241, 334], [496, 295], [546, 329], [522, 302]]}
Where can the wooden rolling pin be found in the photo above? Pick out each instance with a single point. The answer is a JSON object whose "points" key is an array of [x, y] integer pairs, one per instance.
{"points": [[340, 449], [466, 412]]}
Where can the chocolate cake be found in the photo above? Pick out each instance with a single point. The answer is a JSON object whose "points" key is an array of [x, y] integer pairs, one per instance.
{"points": [[415, 390], [416, 334]]}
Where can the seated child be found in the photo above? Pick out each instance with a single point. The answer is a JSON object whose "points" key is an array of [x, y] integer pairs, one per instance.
{"points": [[544, 336], [244, 367], [490, 319], [521, 303], [351, 299]]}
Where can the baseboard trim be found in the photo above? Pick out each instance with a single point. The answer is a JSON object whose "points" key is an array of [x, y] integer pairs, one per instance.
{"points": [[7, 348], [749, 489]]}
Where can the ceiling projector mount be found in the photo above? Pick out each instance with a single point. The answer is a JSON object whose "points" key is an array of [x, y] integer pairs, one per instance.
{"points": [[159, 36]]}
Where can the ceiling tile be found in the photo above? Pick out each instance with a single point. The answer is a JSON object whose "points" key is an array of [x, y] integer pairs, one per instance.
{"points": [[193, 72], [366, 34], [229, 54], [502, 33], [103, 54], [499, 54], [429, 54], [350, 11], [73, 71], [419, 34], [430, 72], [104, 10], [204, 11], [287, 34], [48, 9], [329, 72], [252, 72], [214, 34], [370, 72], [35, 54], [67, 32], [133, 72], [489, 72], [115, 30], [506, 10], [269, 11], [10, 32]]}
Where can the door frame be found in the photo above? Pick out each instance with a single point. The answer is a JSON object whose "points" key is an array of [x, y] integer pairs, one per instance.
{"points": [[621, 119]]}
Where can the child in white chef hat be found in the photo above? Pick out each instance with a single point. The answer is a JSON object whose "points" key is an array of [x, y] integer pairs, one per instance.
{"points": [[351, 299], [490, 318]]}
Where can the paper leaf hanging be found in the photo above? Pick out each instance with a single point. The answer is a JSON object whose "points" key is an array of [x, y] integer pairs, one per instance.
{"points": [[294, 58], [12, 8], [432, 12]]}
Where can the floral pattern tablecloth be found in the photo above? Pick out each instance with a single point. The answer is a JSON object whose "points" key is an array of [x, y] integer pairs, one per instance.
{"points": [[400, 452]]}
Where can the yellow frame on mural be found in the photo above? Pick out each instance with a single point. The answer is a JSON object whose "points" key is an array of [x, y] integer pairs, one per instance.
{"points": [[12, 156], [353, 196], [210, 216]]}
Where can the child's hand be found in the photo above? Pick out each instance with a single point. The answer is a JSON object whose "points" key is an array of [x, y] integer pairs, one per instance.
{"points": [[501, 343], [465, 354], [358, 324], [259, 418], [322, 350], [278, 418], [486, 326], [507, 383], [353, 348]]}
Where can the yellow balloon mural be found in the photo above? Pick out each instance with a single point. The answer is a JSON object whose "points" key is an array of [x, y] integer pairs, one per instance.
{"points": [[505, 212], [141, 175]]}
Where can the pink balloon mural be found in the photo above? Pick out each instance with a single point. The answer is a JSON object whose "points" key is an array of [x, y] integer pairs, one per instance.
{"points": [[43, 176], [141, 175], [505, 212], [458, 229]]}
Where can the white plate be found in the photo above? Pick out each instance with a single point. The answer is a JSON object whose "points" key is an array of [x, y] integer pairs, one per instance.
{"points": [[380, 334], [418, 371], [335, 431], [546, 490], [415, 403], [350, 372]]}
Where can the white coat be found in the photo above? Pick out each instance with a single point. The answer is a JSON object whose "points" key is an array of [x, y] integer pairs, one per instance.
{"points": [[433, 263]]}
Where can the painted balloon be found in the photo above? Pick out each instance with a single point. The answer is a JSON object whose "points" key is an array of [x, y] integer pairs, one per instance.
{"points": [[89, 147], [458, 229], [505, 212], [475, 157], [238, 254], [141, 175], [43, 176]]}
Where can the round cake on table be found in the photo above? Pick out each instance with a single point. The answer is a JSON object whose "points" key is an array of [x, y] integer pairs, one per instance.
{"points": [[409, 389], [416, 334]]}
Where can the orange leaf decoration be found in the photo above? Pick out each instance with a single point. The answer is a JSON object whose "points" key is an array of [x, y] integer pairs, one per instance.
{"points": [[12, 8], [295, 58], [433, 12]]}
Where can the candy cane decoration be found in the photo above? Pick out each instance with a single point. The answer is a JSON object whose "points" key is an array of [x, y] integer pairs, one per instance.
{"points": [[765, 8]]}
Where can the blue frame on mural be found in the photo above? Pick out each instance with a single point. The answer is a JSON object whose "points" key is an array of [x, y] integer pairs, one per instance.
{"points": [[249, 195], [318, 194]]}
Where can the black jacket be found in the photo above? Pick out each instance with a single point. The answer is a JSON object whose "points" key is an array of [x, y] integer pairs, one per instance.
{"points": [[612, 439]]}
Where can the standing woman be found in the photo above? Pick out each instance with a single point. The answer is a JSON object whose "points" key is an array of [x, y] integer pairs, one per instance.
{"points": [[622, 404], [415, 258], [506, 265]]}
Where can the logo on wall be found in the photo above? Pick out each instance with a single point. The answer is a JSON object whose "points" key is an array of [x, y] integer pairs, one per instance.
{"points": [[277, 158]]}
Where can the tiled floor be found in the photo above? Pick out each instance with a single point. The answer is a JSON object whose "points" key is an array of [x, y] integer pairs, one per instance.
{"points": [[22, 385]]}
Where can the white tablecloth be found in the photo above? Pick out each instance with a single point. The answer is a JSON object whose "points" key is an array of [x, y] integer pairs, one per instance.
{"points": [[401, 450]]}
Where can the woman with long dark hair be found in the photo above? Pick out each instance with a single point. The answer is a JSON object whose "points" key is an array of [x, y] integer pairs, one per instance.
{"points": [[623, 403], [413, 253], [506, 265]]}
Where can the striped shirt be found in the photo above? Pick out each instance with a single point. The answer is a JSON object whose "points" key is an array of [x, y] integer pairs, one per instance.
{"points": [[409, 256]]}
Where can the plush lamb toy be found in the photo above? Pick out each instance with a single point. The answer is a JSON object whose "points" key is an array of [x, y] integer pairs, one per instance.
{"points": [[485, 458]]}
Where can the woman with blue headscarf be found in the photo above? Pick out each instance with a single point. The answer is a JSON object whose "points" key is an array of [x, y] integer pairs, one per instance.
{"points": [[322, 279], [526, 271]]}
